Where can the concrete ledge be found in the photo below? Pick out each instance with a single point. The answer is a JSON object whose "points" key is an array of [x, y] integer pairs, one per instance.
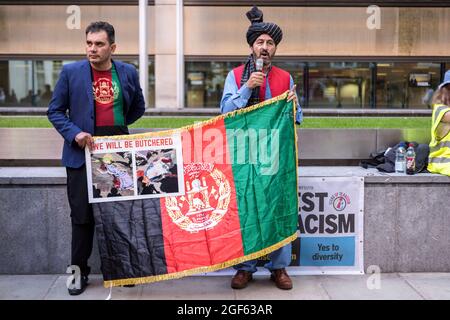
{"points": [[406, 220], [372, 175], [307, 112], [57, 175], [32, 176], [211, 112], [325, 147]]}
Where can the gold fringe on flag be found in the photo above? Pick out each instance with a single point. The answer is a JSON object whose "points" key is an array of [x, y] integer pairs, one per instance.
{"points": [[176, 275], [296, 147], [252, 256]]}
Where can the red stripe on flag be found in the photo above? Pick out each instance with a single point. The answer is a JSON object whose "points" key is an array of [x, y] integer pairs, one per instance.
{"points": [[202, 227]]}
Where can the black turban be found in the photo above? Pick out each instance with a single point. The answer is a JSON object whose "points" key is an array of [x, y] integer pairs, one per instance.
{"points": [[258, 27]]}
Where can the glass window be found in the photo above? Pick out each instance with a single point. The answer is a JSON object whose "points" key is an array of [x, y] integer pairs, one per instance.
{"points": [[297, 71], [330, 84], [339, 85], [205, 82], [46, 74], [31, 82], [16, 83], [151, 83], [28, 82], [406, 85], [151, 78]]}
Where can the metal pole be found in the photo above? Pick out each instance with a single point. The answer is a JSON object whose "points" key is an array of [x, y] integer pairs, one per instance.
{"points": [[180, 55], [143, 53]]}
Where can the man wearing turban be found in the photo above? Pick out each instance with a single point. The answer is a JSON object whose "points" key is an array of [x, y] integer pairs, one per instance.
{"points": [[246, 86]]}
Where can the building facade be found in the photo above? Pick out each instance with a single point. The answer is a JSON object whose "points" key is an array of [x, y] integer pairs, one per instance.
{"points": [[341, 54]]}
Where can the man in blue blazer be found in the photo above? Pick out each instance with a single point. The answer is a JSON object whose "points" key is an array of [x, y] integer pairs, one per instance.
{"points": [[97, 96]]}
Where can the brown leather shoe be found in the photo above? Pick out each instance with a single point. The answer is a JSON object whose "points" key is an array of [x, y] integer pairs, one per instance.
{"points": [[241, 279], [281, 279]]}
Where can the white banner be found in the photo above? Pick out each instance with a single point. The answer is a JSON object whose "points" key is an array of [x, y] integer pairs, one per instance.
{"points": [[331, 212]]}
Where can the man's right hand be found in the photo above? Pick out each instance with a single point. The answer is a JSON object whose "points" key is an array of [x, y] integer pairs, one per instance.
{"points": [[256, 80], [83, 139]]}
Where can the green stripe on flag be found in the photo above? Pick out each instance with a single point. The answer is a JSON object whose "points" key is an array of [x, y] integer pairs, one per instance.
{"points": [[118, 101], [263, 155]]}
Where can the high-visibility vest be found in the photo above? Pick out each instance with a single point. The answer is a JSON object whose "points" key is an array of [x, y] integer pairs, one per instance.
{"points": [[439, 158]]}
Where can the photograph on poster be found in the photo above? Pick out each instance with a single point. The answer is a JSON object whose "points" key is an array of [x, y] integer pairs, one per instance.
{"points": [[112, 174], [156, 171]]}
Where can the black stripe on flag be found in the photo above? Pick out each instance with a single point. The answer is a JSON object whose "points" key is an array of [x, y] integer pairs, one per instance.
{"points": [[130, 239]]}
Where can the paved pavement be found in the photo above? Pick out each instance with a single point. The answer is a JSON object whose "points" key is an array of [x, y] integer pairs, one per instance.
{"points": [[391, 286]]}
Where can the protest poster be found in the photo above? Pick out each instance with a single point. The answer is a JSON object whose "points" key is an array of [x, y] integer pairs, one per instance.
{"points": [[129, 168], [331, 214]]}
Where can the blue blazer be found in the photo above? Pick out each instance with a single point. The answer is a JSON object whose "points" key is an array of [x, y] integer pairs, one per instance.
{"points": [[73, 93]]}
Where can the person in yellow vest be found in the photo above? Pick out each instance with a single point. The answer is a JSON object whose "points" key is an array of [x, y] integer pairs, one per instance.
{"points": [[439, 158]]}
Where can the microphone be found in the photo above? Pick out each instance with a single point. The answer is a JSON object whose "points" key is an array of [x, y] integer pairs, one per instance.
{"points": [[259, 64]]}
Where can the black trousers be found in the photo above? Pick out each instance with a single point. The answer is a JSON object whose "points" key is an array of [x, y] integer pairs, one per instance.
{"points": [[81, 216]]}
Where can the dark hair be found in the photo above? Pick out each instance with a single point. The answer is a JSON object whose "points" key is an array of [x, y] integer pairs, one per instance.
{"points": [[102, 26], [442, 96]]}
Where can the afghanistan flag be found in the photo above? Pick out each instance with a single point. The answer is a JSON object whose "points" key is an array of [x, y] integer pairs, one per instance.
{"points": [[239, 202]]}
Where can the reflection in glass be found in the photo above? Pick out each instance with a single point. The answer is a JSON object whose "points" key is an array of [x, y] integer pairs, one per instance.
{"points": [[319, 84], [151, 79], [329, 84], [16, 82], [205, 82], [406, 85], [339, 85], [297, 71], [31, 83]]}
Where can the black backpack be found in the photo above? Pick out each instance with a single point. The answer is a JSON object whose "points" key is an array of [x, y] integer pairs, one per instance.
{"points": [[384, 160], [422, 154]]}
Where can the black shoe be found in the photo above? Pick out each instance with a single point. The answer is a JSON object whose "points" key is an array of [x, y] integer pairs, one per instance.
{"points": [[83, 284]]}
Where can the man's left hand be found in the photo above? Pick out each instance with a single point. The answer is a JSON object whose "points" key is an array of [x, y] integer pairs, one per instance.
{"points": [[292, 96]]}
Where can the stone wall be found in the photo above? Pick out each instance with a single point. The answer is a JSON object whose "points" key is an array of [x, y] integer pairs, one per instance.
{"points": [[406, 220]]}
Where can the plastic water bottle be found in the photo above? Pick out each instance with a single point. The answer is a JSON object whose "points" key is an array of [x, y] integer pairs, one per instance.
{"points": [[410, 159], [400, 159]]}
